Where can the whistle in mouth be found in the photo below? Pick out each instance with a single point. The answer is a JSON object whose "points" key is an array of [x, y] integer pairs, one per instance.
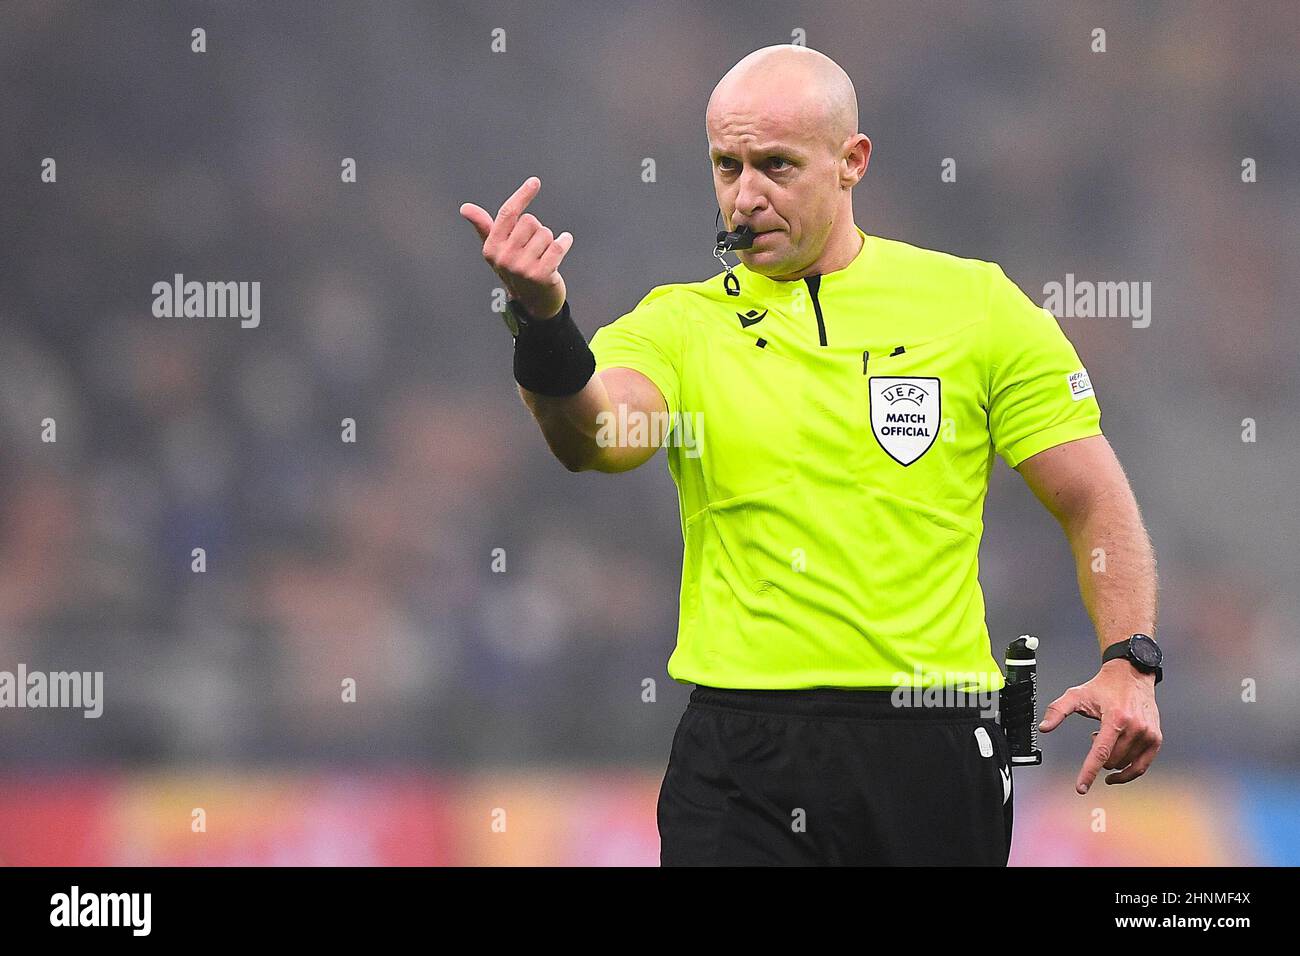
{"points": [[742, 238]]}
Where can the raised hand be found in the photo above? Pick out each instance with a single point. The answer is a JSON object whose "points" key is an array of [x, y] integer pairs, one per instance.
{"points": [[523, 252]]}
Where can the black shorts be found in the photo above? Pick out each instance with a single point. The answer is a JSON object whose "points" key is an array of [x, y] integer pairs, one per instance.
{"points": [[833, 777]]}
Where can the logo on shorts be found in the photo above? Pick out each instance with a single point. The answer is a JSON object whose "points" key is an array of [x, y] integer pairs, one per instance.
{"points": [[905, 415]]}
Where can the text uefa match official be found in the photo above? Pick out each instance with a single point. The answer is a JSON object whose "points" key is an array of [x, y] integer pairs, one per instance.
{"points": [[832, 407]]}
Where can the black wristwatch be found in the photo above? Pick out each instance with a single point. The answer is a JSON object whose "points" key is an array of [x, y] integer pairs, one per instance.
{"points": [[1141, 651]]}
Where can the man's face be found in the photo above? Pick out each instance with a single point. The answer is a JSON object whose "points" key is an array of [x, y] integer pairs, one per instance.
{"points": [[776, 172]]}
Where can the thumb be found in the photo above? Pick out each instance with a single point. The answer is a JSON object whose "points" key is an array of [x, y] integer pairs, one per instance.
{"points": [[478, 217], [1057, 711]]}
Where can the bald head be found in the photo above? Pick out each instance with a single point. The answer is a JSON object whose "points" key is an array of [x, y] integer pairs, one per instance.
{"points": [[786, 154], [801, 89]]}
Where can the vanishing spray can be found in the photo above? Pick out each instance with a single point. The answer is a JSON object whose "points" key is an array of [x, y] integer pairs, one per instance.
{"points": [[1018, 703]]}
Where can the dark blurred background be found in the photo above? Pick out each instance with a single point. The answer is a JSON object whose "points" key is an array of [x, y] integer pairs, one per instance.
{"points": [[373, 560]]}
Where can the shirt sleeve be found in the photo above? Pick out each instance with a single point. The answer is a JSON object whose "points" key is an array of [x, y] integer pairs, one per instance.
{"points": [[1039, 394], [649, 340]]}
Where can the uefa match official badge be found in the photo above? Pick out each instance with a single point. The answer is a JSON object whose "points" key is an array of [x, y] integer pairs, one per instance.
{"points": [[905, 415]]}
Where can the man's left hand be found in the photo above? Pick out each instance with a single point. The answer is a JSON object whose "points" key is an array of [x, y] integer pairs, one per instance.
{"points": [[1124, 700]]}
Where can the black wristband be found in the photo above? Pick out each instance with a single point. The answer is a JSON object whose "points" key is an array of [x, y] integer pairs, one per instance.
{"points": [[552, 357]]}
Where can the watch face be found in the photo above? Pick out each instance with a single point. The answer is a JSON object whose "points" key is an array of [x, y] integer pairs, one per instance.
{"points": [[1145, 650]]}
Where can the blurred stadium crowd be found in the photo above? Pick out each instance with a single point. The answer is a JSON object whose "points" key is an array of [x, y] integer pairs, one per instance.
{"points": [[373, 560]]}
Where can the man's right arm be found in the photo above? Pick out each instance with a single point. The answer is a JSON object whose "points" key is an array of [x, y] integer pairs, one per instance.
{"points": [[581, 429], [583, 438]]}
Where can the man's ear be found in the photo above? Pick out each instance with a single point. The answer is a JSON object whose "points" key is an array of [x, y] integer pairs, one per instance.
{"points": [[852, 176]]}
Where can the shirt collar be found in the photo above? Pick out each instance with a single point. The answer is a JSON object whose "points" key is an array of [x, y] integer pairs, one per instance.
{"points": [[758, 283]]}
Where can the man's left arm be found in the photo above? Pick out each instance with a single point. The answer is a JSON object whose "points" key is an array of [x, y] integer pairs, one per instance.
{"points": [[1084, 487]]}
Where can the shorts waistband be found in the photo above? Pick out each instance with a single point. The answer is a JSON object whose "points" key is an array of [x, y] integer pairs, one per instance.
{"points": [[874, 702]]}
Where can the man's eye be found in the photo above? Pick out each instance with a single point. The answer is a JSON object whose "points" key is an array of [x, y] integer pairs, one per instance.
{"points": [[784, 163]]}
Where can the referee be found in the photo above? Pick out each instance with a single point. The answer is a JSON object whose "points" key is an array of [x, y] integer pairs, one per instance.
{"points": [[832, 408]]}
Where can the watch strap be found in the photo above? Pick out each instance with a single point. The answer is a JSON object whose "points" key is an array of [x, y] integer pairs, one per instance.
{"points": [[1120, 649]]}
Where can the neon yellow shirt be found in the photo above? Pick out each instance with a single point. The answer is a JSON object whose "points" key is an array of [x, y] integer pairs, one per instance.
{"points": [[831, 442]]}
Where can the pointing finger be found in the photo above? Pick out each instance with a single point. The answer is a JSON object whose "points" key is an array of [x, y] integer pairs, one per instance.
{"points": [[1103, 745], [514, 207]]}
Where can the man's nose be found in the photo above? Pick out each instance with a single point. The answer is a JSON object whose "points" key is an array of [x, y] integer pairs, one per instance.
{"points": [[750, 197]]}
